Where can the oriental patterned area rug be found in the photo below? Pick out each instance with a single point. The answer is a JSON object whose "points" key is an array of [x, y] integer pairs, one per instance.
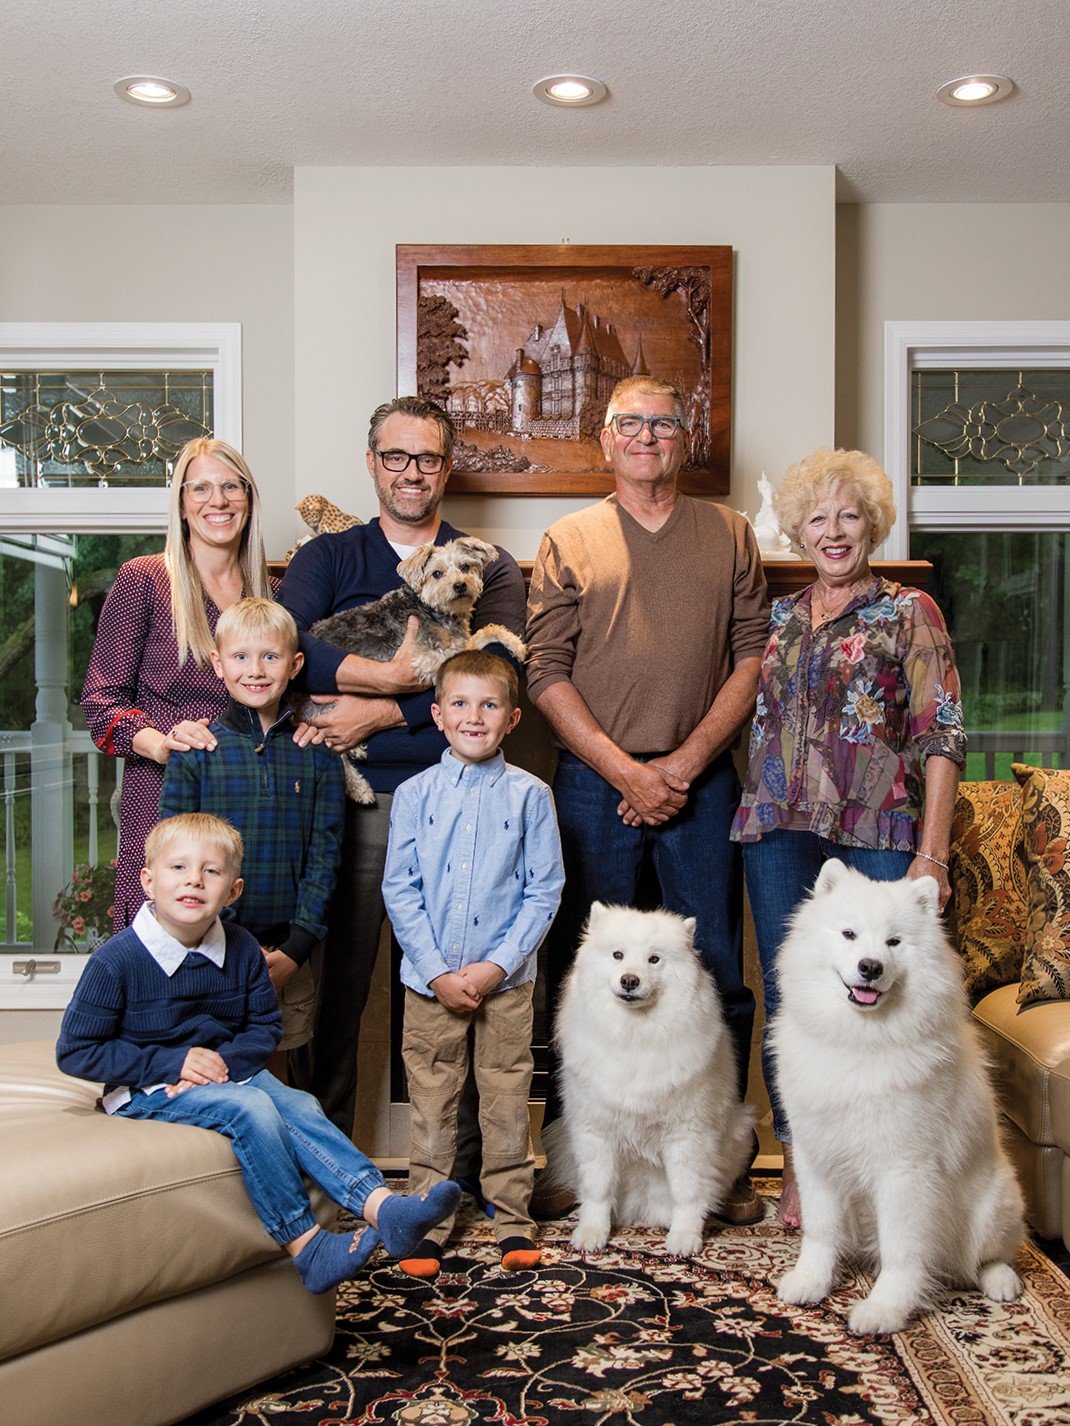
{"points": [[634, 1336]]}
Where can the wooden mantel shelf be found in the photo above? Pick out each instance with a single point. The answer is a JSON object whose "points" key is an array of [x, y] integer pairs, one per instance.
{"points": [[789, 576], [782, 576]]}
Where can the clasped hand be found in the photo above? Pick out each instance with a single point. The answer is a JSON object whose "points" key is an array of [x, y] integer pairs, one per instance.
{"points": [[201, 1066], [651, 793], [463, 990]]}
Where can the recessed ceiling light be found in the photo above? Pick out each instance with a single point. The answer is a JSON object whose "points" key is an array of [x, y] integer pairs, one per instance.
{"points": [[148, 89], [570, 91], [974, 89]]}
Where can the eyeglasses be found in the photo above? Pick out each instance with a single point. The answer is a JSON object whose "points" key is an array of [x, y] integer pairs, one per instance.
{"points": [[234, 491], [427, 462], [662, 428]]}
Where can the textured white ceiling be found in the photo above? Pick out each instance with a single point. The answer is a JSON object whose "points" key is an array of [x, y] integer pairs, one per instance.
{"points": [[278, 84]]}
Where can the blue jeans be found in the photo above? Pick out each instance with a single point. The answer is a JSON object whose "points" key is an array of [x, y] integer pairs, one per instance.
{"points": [[277, 1133], [781, 869], [698, 870]]}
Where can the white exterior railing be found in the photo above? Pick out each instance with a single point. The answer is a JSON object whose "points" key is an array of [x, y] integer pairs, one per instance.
{"points": [[52, 855]]}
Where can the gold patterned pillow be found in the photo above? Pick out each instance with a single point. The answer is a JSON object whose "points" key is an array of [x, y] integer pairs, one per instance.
{"points": [[988, 875], [1045, 826]]}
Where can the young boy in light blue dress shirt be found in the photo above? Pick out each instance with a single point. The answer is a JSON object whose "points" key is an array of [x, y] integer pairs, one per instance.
{"points": [[473, 880]]}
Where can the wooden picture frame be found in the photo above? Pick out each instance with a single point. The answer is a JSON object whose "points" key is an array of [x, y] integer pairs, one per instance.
{"points": [[524, 344]]}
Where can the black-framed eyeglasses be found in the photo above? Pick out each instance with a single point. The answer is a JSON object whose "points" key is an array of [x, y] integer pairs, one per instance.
{"points": [[427, 462], [662, 428], [233, 491]]}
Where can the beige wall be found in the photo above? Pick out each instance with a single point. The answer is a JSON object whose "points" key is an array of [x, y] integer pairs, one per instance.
{"points": [[174, 264], [780, 221], [936, 262]]}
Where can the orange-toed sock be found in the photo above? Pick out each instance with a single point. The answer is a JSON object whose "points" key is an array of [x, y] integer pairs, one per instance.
{"points": [[425, 1261], [518, 1254]]}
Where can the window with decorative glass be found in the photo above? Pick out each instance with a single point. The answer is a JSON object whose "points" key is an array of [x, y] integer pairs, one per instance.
{"points": [[1003, 588], [92, 417], [79, 429]]}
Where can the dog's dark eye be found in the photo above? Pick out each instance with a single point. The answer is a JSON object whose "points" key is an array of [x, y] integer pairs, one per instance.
{"points": [[892, 941], [618, 955], [848, 934], [436, 574], [464, 568], [653, 960]]}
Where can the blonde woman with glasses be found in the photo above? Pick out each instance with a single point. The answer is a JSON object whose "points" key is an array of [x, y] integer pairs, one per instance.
{"points": [[150, 689]]}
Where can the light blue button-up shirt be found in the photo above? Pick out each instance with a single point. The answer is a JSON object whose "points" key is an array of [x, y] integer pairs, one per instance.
{"points": [[473, 870]]}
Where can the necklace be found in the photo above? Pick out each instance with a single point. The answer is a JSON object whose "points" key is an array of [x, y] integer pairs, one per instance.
{"points": [[826, 611]]}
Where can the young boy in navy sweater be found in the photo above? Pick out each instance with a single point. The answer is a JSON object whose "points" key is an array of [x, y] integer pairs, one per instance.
{"points": [[177, 1015]]}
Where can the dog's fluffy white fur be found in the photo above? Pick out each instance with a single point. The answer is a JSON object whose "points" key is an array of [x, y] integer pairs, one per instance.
{"points": [[892, 1115], [656, 1133], [441, 586]]}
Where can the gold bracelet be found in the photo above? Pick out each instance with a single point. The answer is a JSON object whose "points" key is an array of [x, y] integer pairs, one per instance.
{"points": [[925, 857]]}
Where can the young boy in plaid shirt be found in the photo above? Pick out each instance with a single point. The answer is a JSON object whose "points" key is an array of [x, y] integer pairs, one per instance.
{"points": [[288, 802]]}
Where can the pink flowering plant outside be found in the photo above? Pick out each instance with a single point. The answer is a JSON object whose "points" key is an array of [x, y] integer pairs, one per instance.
{"points": [[86, 905]]}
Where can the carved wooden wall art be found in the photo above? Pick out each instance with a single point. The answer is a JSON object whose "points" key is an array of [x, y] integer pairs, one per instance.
{"points": [[523, 346]]}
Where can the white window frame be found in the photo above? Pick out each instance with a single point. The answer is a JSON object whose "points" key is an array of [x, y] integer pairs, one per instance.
{"points": [[910, 346], [118, 509]]}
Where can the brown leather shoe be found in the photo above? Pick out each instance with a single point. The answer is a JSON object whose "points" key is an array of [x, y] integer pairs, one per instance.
{"points": [[550, 1200], [742, 1204]]}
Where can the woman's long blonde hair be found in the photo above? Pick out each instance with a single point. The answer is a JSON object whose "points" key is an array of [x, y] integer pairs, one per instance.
{"points": [[187, 593]]}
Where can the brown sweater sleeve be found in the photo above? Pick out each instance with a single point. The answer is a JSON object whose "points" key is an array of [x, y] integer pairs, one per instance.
{"points": [[749, 632]]}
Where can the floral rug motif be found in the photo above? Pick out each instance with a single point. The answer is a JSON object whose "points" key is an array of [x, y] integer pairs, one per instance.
{"points": [[633, 1337]]}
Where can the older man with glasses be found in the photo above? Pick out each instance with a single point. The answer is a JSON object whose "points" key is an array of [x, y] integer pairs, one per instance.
{"points": [[410, 449], [646, 622]]}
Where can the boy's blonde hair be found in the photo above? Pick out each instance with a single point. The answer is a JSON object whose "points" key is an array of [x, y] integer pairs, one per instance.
{"points": [[256, 616], [198, 827], [479, 664]]}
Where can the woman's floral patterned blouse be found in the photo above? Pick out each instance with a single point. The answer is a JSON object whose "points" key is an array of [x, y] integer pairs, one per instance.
{"points": [[847, 714]]}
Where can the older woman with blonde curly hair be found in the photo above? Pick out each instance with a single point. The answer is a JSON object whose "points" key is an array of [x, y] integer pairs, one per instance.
{"points": [[150, 689], [857, 739]]}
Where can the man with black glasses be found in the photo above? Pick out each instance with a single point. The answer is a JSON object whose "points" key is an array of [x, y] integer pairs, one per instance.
{"points": [[410, 448], [646, 622]]}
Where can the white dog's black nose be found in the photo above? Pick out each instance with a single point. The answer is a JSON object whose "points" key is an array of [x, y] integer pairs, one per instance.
{"points": [[629, 983], [460, 586], [870, 970]]}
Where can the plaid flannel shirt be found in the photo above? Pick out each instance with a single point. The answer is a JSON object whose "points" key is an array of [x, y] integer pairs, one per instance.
{"points": [[289, 805]]}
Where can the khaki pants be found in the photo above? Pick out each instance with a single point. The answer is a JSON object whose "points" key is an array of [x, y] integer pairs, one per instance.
{"points": [[435, 1050], [297, 1001]]}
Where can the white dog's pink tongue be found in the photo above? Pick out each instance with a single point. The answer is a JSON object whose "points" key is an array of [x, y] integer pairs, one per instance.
{"points": [[864, 995]]}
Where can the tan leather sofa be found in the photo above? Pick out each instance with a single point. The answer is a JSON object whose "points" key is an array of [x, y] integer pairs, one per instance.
{"points": [[1029, 1050], [138, 1284], [1010, 871]]}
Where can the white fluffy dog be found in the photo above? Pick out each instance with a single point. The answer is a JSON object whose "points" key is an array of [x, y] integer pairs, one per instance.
{"points": [[892, 1116], [648, 1079]]}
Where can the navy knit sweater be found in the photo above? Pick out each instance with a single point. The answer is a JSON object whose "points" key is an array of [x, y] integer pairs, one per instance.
{"points": [[130, 1024]]}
